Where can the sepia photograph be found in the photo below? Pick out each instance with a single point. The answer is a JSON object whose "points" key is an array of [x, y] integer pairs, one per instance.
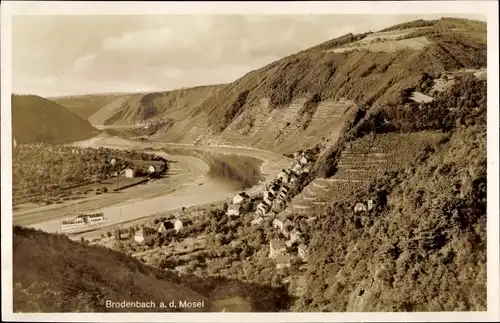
{"points": [[312, 161]]}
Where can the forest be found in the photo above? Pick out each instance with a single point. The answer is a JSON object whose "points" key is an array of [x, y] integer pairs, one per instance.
{"points": [[42, 168]]}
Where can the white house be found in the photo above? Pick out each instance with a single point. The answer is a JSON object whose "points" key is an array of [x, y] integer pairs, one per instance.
{"points": [[371, 204], [152, 169], [360, 207], [129, 173], [297, 169], [284, 175], [257, 221], [303, 251], [234, 210], [276, 247], [113, 162], [295, 236], [145, 235], [281, 174], [240, 198], [178, 225], [282, 261], [303, 160]]}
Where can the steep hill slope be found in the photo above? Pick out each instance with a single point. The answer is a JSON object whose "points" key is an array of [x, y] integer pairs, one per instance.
{"points": [[368, 76], [423, 246], [35, 119], [85, 105], [54, 274], [423, 251], [137, 108], [294, 102]]}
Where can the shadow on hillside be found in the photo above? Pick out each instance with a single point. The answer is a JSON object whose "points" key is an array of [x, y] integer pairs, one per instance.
{"points": [[55, 274]]}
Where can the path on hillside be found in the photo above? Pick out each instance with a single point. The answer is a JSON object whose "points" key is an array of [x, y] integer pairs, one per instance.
{"points": [[182, 189]]}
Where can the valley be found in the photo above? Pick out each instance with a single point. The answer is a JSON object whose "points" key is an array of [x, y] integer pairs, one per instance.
{"points": [[348, 177]]}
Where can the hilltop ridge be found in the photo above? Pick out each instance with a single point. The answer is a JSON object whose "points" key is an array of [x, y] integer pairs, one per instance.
{"points": [[281, 105]]}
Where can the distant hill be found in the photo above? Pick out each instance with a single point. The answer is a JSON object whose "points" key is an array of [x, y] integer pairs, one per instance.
{"points": [[54, 274], [85, 105], [123, 109], [35, 119]]}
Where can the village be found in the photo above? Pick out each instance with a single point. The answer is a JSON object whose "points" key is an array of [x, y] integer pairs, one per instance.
{"points": [[264, 208], [253, 237]]}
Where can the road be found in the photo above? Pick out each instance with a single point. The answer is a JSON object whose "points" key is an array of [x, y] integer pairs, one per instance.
{"points": [[187, 185]]}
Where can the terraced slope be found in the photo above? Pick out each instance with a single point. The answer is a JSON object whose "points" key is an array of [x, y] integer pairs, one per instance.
{"points": [[286, 130], [387, 41], [366, 76], [360, 163]]}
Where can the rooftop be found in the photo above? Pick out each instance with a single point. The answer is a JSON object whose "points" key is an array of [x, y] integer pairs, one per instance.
{"points": [[283, 258], [278, 244]]}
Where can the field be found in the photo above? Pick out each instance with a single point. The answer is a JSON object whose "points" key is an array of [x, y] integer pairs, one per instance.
{"points": [[379, 43]]}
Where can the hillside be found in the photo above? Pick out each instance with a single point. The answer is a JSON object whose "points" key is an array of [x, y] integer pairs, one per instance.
{"points": [[35, 119], [423, 251], [137, 108], [398, 118], [346, 67], [297, 101], [54, 274]]}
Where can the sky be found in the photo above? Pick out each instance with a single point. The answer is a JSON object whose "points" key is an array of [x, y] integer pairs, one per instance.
{"points": [[74, 55]]}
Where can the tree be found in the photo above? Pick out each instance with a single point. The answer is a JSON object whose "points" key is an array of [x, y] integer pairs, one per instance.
{"points": [[109, 234]]}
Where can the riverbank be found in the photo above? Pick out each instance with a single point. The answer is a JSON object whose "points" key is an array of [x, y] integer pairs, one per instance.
{"points": [[190, 182], [245, 171]]}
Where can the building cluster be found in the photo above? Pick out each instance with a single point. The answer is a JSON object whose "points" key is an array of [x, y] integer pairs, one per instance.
{"points": [[362, 207], [131, 172], [146, 234], [276, 192], [275, 198]]}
